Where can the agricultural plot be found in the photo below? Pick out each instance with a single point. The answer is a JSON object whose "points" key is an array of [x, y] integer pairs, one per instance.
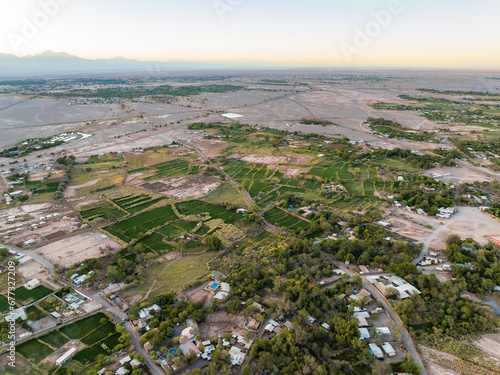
{"points": [[354, 187], [54, 339], [178, 167], [25, 295], [398, 165], [177, 227], [4, 304], [136, 203], [226, 193], [79, 329], [285, 220], [329, 171], [215, 211], [128, 229], [100, 333], [154, 242], [34, 350], [50, 187], [101, 210]]}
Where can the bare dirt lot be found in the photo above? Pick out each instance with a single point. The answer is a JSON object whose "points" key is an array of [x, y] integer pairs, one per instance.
{"points": [[268, 159], [470, 222], [200, 294], [76, 249], [490, 344], [183, 187], [211, 148], [455, 175], [293, 172], [408, 229], [34, 270], [440, 363]]}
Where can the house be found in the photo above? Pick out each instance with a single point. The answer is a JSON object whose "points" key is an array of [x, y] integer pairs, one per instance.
{"points": [[135, 362], [364, 334], [125, 360], [389, 349], [237, 356], [310, 320], [221, 296], [62, 359], [326, 326], [362, 318], [32, 284], [376, 351], [189, 347], [271, 326], [121, 371], [241, 211], [383, 330]]}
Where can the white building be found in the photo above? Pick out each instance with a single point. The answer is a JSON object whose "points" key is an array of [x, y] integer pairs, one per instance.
{"points": [[62, 359], [389, 349], [377, 352]]}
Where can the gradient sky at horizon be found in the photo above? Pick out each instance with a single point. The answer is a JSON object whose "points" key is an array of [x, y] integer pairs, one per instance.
{"points": [[443, 33]]}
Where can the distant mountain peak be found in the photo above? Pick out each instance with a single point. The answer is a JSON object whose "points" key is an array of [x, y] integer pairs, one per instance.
{"points": [[49, 53]]}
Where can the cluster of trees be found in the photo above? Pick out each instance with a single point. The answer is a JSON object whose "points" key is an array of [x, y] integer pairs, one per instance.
{"points": [[481, 272], [140, 91], [66, 178], [429, 202], [396, 130], [370, 248], [419, 161], [440, 309]]}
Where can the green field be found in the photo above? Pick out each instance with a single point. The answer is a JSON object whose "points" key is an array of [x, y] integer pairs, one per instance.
{"points": [[88, 355], [99, 333], [178, 167], [155, 242], [54, 339], [215, 211], [177, 227], [226, 193], [128, 229], [136, 203], [4, 304], [81, 328], [285, 220], [23, 294], [101, 210], [34, 350]]}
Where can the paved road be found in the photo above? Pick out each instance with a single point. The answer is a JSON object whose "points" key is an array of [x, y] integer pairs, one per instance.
{"points": [[395, 317]]}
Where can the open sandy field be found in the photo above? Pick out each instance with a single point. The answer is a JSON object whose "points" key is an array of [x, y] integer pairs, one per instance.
{"points": [[490, 344], [440, 363], [455, 175], [285, 159], [469, 222], [76, 249], [183, 187], [34, 270]]}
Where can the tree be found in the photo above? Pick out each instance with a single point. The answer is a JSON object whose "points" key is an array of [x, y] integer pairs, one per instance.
{"points": [[234, 306], [213, 243]]}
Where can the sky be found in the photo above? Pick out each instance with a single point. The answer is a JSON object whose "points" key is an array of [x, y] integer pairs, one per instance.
{"points": [[365, 33]]}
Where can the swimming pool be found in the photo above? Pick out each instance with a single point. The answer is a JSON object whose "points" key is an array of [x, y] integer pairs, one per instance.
{"points": [[214, 286], [172, 351]]}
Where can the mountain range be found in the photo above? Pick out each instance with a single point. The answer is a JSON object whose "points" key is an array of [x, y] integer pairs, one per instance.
{"points": [[61, 63]]}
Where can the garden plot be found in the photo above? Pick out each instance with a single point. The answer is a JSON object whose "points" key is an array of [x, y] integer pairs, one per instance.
{"points": [[200, 208], [76, 249], [183, 187], [129, 229], [285, 220]]}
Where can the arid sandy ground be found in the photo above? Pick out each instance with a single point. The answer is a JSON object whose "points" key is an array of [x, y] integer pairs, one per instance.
{"points": [[76, 249]]}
